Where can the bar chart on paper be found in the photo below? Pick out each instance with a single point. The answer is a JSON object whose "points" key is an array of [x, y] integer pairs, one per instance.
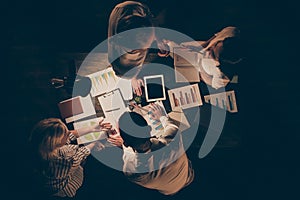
{"points": [[224, 100], [185, 97]]}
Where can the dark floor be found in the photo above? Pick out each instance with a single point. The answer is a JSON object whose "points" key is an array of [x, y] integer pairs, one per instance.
{"points": [[43, 36]]}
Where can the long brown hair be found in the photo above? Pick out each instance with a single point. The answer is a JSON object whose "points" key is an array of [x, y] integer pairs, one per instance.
{"points": [[46, 137]]}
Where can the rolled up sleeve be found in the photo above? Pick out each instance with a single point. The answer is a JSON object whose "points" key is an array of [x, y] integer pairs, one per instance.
{"points": [[163, 139]]}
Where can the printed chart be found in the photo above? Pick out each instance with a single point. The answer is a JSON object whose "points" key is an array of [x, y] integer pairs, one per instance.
{"points": [[156, 125], [224, 100], [106, 80], [93, 136], [185, 97]]}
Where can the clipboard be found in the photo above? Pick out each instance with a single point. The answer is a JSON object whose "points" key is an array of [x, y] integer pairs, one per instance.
{"points": [[113, 104]]}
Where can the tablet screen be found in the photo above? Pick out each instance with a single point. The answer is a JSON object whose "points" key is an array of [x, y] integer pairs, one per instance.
{"points": [[154, 88]]}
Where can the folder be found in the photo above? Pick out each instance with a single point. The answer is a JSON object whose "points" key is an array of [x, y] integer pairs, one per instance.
{"points": [[70, 107]]}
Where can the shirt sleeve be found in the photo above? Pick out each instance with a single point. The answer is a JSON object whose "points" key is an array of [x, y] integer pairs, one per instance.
{"points": [[75, 153], [72, 138], [219, 79], [170, 131], [80, 155]]}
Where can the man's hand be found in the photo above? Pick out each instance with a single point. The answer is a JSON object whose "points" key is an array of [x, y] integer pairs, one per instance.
{"points": [[98, 146], [164, 49], [101, 126], [115, 140], [156, 111]]}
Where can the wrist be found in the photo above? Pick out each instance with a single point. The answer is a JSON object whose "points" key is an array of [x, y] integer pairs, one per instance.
{"points": [[90, 146], [84, 131], [163, 118]]}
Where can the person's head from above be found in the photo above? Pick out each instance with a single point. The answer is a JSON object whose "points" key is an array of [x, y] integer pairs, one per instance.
{"points": [[135, 131], [135, 35], [47, 136], [227, 50]]}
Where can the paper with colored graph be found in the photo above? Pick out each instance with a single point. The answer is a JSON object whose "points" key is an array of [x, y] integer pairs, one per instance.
{"points": [[185, 97], [156, 125], [90, 137], [224, 100], [106, 80]]}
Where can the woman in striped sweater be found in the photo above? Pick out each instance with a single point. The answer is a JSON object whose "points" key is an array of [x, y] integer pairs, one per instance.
{"points": [[58, 161]]}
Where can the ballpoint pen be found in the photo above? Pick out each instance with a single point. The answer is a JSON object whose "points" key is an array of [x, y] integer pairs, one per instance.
{"points": [[114, 109]]}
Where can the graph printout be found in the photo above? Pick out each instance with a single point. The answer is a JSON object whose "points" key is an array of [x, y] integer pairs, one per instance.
{"points": [[90, 137], [156, 125], [106, 80], [224, 100], [185, 97]]}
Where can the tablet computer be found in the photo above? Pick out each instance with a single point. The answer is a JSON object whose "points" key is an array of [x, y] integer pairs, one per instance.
{"points": [[154, 88]]}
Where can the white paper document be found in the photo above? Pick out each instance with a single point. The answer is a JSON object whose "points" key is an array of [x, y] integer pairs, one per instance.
{"points": [[90, 137], [224, 100], [185, 97], [113, 105], [106, 80]]}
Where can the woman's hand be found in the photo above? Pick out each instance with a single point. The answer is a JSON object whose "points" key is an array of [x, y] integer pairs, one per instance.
{"points": [[101, 126], [137, 86], [98, 146]]}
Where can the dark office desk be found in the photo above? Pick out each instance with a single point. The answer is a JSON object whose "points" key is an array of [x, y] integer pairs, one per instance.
{"points": [[199, 116]]}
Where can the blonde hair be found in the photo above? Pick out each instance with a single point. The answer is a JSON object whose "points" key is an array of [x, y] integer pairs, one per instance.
{"points": [[46, 137]]}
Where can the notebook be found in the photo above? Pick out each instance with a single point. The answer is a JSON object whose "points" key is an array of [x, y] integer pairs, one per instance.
{"points": [[70, 107]]}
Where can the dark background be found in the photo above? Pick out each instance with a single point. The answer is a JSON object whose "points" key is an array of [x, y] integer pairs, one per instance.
{"points": [[40, 38]]}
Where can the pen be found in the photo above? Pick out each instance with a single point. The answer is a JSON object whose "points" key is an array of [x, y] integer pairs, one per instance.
{"points": [[114, 109], [134, 105]]}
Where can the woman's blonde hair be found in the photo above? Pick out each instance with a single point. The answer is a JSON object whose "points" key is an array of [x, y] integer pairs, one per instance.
{"points": [[46, 137]]}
